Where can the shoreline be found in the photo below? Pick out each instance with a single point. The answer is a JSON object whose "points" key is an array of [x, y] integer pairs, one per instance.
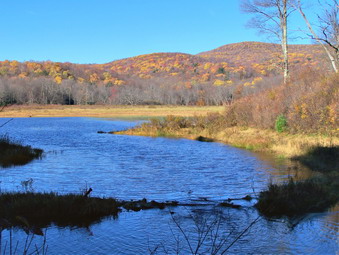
{"points": [[258, 140]]}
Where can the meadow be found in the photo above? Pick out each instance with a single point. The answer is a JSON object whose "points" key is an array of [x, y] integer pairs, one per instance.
{"points": [[105, 111]]}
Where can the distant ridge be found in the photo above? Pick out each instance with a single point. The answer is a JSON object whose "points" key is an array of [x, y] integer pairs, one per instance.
{"points": [[225, 65], [247, 53]]}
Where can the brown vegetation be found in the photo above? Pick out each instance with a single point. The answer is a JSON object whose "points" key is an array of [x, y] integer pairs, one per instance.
{"points": [[282, 144], [105, 111], [309, 104]]}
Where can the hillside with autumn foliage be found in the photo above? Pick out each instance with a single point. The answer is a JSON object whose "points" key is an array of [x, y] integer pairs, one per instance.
{"points": [[266, 58], [212, 77]]}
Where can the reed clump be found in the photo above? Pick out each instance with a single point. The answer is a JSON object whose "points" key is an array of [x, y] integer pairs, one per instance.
{"points": [[43, 209], [297, 198], [13, 153]]}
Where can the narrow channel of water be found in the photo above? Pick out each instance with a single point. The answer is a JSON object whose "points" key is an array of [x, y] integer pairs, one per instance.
{"points": [[131, 167]]}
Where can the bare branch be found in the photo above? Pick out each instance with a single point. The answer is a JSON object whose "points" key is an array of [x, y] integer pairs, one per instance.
{"points": [[6, 122], [241, 234], [271, 17], [330, 30]]}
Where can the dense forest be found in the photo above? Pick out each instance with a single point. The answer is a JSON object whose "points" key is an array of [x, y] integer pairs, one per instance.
{"points": [[210, 78]]}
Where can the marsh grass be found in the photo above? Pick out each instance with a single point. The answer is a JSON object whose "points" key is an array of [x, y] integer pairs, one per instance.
{"points": [[313, 195], [42, 209], [213, 128], [144, 111], [14, 153], [321, 159], [297, 198]]}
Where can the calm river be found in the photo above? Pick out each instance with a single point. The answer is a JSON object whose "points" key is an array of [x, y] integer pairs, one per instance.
{"points": [[131, 167]]}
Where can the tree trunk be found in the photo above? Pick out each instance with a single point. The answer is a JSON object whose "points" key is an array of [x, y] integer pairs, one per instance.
{"points": [[330, 56], [284, 41]]}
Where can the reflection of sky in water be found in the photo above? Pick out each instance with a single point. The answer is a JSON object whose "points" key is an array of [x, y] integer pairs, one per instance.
{"points": [[130, 167]]}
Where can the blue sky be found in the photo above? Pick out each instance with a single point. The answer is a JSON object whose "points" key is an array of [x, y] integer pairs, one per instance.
{"points": [[99, 31]]}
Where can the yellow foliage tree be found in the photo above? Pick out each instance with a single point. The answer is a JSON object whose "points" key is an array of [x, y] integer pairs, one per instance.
{"points": [[205, 77], [23, 75], [81, 80], [58, 79], [119, 82], [93, 78], [207, 66], [218, 83]]}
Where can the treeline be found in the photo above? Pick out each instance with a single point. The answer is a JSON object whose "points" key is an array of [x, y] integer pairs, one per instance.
{"points": [[43, 90]]}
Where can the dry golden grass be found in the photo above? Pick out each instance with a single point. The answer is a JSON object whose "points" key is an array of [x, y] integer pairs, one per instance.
{"points": [[287, 145], [281, 144], [104, 111]]}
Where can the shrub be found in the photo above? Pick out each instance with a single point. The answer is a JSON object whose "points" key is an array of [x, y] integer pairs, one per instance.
{"points": [[309, 103], [280, 123]]}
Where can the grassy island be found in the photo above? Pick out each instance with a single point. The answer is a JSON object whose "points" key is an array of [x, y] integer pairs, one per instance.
{"points": [[38, 210]]}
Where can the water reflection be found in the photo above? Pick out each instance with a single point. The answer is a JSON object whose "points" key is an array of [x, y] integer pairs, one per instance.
{"points": [[282, 169]]}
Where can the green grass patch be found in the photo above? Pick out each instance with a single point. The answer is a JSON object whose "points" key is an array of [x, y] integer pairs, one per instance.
{"points": [[13, 153], [280, 123]]}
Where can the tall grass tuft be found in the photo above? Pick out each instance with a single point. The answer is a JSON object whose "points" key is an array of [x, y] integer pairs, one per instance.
{"points": [[295, 198], [14, 153], [42, 209]]}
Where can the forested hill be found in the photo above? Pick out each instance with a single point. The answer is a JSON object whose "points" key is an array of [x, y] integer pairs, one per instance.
{"points": [[164, 78], [264, 57], [222, 66]]}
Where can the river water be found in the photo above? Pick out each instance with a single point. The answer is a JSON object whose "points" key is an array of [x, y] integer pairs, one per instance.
{"points": [[132, 167]]}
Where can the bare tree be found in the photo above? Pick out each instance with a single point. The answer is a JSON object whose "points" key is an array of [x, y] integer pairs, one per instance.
{"points": [[328, 36], [271, 17]]}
